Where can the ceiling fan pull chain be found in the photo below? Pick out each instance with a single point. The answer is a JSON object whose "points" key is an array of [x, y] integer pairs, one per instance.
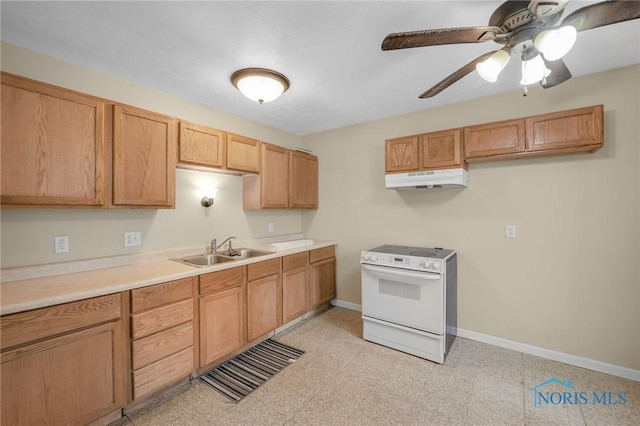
{"points": [[525, 90]]}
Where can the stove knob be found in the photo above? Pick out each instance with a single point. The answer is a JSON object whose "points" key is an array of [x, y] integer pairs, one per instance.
{"points": [[373, 258], [428, 265]]}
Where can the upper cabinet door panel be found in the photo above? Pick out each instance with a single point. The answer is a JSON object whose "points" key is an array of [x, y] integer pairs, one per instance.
{"points": [[565, 129], [144, 158], [52, 146], [243, 153], [202, 145], [401, 154], [504, 137], [274, 175], [303, 180], [441, 149]]}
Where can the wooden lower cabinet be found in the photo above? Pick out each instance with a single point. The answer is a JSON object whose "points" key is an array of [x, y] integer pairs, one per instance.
{"points": [[73, 376], [322, 282], [295, 286], [264, 298], [162, 335], [222, 313]]}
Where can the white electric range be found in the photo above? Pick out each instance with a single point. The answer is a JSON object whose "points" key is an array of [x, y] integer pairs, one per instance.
{"points": [[409, 299]]}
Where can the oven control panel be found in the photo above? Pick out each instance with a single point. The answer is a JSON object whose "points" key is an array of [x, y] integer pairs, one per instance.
{"points": [[401, 261]]}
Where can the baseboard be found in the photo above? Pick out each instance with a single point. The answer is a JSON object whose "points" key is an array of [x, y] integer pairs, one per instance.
{"points": [[346, 305], [590, 364], [603, 367]]}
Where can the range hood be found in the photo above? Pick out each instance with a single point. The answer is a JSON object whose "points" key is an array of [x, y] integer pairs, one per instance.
{"points": [[445, 178]]}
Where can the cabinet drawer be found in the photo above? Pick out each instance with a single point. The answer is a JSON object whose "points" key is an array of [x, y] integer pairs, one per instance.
{"points": [[160, 294], [160, 345], [163, 372], [322, 253], [295, 261], [222, 280], [156, 320], [32, 325], [263, 269]]}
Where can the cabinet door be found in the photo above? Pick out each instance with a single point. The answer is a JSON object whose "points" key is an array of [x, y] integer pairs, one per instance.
{"points": [[295, 293], [222, 327], [401, 154], [144, 158], [565, 130], [201, 145], [274, 176], [441, 149], [52, 146], [264, 306], [243, 154], [322, 287], [303, 180], [76, 378], [484, 140]]}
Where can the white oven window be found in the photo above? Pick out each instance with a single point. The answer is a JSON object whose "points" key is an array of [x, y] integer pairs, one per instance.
{"points": [[400, 289]]}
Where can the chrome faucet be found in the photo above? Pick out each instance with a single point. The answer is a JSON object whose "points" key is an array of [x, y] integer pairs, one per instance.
{"points": [[215, 247]]}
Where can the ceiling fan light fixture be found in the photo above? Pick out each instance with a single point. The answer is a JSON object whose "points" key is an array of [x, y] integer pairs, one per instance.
{"points": [[260, 84], [490, 68], [555, 43], [533, 70]]}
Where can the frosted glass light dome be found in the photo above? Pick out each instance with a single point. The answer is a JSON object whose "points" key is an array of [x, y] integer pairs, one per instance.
{"points": [[260, 84]]}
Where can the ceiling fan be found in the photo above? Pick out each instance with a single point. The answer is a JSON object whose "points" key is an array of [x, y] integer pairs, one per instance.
{"points": [[527, 28]]}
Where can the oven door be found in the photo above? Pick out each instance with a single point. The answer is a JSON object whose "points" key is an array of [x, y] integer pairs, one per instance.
{"points": [[411, 298]]}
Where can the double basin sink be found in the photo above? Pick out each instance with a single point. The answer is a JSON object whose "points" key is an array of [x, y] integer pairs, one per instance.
{"points": [[209, 259]]}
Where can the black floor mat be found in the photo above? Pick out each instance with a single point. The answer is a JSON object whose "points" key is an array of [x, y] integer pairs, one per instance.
{"points": [[239, 376]]}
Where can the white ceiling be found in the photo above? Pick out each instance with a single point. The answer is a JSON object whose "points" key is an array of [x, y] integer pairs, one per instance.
{"points": [[330, 51]]}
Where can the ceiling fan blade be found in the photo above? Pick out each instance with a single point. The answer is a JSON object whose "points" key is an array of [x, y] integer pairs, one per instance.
{"points": [[601, 14], [457, 75], [438, 37], [559, 73]]}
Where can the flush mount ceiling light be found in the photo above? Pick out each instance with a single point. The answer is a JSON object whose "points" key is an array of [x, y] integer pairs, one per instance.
{"points": [[260, 84]]}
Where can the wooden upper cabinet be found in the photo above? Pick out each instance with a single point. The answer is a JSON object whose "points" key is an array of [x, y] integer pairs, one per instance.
{"points": [[401, 154], [144, 158], [269, 189], [564, 130], [200, 145], [52, 146], [243, 154], [503, 137], [440, 150], [303, 180]]}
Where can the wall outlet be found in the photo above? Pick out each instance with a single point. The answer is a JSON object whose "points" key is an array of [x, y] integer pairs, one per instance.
{"points": [[271, 226], [61, 244], [510, 231], [132, 239]]}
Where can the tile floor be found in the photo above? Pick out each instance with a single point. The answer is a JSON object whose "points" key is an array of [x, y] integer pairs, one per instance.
{"points": [[343, 380]]}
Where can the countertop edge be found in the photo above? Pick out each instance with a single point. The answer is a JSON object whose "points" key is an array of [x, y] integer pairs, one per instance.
{"points": [[31, 285]]}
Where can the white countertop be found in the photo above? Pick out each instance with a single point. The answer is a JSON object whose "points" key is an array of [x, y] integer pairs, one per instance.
{"points": [[33, 293]]}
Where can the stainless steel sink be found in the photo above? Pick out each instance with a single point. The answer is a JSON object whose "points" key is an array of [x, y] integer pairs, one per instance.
{"points": [[206, 259], [246, 253]]}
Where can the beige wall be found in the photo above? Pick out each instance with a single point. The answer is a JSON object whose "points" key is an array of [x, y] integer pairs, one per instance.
{"points": [[570, 281], [27, 235]]}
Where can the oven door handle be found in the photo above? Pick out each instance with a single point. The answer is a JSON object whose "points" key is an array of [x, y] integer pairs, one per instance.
{"points": [[401, 273]]}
